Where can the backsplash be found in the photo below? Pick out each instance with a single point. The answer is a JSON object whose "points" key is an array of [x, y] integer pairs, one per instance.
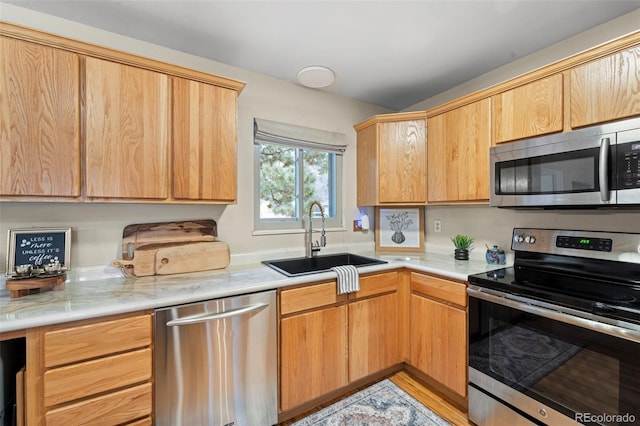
{"points": [[493, 226]]}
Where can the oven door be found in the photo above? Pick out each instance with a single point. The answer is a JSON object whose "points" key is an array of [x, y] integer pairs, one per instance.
{"points": [[546, 367], [551, 172]]}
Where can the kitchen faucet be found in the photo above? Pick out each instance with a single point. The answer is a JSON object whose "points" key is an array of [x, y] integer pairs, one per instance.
{"points": [[311, 248]]}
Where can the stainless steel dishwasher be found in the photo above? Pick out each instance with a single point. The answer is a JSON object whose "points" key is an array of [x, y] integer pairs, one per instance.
{"points": [[215, 362]]}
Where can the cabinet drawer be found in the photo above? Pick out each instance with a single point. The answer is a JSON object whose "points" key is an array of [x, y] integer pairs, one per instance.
{"points": [[76, 381], [142, 422], [446, 290], [309, 297], [110, 409], [376, 284], [88, 341]]}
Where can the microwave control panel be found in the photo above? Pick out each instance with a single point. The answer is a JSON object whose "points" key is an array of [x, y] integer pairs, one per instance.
{"points": [[628, 165]]}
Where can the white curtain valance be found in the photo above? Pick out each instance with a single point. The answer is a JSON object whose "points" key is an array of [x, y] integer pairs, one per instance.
{"points": [[297, 136]]}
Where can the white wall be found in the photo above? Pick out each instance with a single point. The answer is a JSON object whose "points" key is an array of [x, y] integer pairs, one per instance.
{"points": [[97, 228]]}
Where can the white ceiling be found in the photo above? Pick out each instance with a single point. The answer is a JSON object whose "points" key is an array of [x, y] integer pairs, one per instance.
{"points": [[390, 53]]}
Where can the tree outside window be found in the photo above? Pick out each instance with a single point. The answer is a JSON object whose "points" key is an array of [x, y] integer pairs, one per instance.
{"points": [[290, 179]]}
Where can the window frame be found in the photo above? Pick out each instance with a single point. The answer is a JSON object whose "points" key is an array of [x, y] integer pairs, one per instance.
{"points": [[299, 224]]}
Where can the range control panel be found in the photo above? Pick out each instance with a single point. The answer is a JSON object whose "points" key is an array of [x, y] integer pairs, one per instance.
{"points": [[591, 244], [584, 243]]}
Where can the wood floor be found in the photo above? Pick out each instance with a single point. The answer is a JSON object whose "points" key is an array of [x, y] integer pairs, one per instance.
{"points": [[430, 399], [414, 388]]}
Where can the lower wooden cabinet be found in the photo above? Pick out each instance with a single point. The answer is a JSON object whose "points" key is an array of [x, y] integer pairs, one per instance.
{"points": [[328, 340], [91, 372], [313, 355], [438, 330], [374, 326]]}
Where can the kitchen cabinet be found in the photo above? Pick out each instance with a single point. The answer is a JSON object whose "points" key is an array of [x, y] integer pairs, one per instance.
{"points": [[529, 110], [204, 141], [90, 371], [458, 154], [438, 333], [39, 121], [374, 326], [606, 89], [127, 131], [313, 343], [391, 159], [328, 340], [86, 123]]}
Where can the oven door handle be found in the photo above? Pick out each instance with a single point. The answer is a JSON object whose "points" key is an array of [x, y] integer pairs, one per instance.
{"points": [[528, 305]]}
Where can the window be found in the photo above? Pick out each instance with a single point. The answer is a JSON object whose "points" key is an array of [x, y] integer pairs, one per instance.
{"points": [[291, 172]]}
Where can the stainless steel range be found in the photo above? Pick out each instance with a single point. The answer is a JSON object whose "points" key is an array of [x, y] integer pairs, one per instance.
{"points": [[555, 339]]}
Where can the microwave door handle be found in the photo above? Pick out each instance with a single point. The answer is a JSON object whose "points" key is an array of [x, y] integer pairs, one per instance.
{"points": [[603, 172]]}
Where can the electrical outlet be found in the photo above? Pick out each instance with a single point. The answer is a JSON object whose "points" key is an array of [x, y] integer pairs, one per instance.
{"points": [[437, 226]]}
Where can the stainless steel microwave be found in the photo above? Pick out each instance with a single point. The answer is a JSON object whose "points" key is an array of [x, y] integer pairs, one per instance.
{"points": [[596, 166]]}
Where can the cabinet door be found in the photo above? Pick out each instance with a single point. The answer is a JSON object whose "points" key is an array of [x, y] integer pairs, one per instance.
{"points": [[439, 342], [606, 89], [367, 165], [127, 121], [313, 355], [402, 162], [39, 120], [204, 141], [458, 153], [373, 335], [530, 110]]}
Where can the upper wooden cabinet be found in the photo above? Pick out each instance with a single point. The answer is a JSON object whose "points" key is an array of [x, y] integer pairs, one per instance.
{"points": [[458, 154], [86, 123], [606, 89], [204, 141], [127, 131], [391, 160], [529, 110], [39, 120]]}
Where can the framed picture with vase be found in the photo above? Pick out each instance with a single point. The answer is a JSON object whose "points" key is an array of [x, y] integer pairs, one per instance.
{"points": [[399, 229]]}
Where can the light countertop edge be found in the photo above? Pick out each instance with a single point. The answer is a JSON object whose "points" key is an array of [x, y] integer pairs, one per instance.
{"points": [[110, 296]]}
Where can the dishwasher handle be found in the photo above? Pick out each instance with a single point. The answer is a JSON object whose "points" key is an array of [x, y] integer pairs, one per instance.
{"points": [[196, 319]]}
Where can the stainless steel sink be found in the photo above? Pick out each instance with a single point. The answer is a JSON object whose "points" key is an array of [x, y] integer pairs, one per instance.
{"points": [[314, 265]]}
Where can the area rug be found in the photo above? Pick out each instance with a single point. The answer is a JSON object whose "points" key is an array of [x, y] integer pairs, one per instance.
{"points": [[382, 404]]}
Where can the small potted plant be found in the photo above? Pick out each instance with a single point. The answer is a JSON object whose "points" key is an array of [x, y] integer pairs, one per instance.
{"points": [[462, 244]]}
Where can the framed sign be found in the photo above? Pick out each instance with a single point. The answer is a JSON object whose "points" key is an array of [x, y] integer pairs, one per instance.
{"points": [[37, 247], [400, 229]]}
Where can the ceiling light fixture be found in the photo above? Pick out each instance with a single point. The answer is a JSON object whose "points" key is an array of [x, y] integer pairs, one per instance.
{"points": [[316, 76]]}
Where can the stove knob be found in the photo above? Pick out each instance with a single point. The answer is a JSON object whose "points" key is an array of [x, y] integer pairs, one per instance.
{"points": [[530, 239], [518, 238]]}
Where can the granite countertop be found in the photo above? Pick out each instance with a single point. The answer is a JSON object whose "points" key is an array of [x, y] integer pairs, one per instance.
{"points": [[93, 298]]}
